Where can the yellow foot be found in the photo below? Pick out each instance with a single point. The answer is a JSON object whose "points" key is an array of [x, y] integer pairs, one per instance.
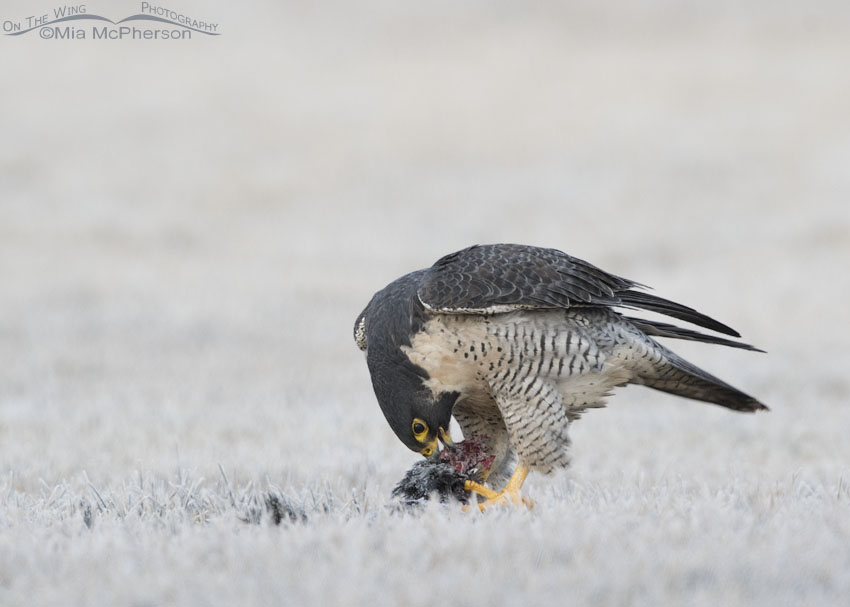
{"points": [[480, 489], [507, 496]]}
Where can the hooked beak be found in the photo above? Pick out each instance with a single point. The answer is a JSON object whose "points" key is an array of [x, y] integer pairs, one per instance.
{"points": [[431, 451], [446, 439]]}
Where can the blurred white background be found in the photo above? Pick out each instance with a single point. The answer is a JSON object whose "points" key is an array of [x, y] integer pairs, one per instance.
{"points": [[189, 228]]}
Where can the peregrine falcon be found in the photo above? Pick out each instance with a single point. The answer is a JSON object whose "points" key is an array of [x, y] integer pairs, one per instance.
{"points": [[516, 342]]}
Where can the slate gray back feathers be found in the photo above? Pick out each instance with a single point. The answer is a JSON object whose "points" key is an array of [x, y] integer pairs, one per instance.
{"points": [[496, 278]]}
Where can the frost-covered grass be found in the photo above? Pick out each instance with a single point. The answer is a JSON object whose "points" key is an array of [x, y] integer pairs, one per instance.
{"points": [[188, 232], [635, 541], [668, 502]]}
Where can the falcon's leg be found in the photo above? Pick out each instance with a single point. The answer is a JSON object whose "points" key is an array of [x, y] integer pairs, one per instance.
{"points": [[510, 492]]}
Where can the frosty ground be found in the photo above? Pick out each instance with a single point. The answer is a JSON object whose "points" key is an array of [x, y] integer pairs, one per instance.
{"points": [[188, 232]]}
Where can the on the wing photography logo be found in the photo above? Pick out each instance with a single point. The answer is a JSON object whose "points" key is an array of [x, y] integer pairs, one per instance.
{"points": [[74, 22]]}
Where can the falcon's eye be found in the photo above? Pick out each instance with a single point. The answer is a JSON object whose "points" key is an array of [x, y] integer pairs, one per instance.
{"points": [[420, 429]]}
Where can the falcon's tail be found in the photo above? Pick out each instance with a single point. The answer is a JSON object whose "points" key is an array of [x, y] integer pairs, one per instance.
{"points": [[663, 329], [677, 376]]}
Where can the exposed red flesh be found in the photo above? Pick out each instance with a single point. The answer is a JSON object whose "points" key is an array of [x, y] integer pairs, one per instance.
{"points": [[468, 456]]}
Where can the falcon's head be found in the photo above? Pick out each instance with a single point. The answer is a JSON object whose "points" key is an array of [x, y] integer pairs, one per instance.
{"points": [[418, 416]]}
